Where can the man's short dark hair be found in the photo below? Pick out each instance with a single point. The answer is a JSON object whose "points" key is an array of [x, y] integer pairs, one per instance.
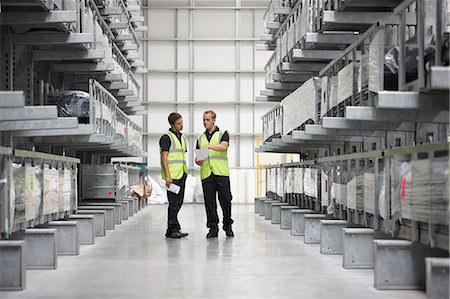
{"points": [[173, 117], [213, 114]]}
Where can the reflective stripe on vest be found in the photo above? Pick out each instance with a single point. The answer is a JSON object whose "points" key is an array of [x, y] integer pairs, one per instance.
{"points": [[217, 161], [176, 158]]}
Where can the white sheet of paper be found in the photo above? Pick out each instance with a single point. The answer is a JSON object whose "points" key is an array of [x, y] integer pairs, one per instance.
{"points": [[174, 188], [201, 154]]}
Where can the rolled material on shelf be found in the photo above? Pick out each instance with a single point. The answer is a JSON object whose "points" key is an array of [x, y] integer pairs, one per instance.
{"points": [[300, 106], [298, 180], [325, 188], [310, 182]]}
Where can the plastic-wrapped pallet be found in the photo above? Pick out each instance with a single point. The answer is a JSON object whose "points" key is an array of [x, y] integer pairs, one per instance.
{"points": [[310, 182], [324, 187], [300, 106], [345, 81], [71, 103]]}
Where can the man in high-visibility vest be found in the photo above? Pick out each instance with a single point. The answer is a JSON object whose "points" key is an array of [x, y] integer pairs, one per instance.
{"points": [[172, 147], [215, 175]]}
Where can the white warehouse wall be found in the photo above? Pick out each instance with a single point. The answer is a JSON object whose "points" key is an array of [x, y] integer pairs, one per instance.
{"points": [[205, 59]]}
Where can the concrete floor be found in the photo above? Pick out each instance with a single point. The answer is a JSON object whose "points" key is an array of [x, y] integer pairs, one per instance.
{"points": [[262, 261]]}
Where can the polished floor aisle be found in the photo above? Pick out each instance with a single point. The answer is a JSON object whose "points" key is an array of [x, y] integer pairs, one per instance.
{"points": [[262, 261]]}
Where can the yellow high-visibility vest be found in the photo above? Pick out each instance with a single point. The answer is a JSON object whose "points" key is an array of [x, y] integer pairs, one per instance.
{"points": [[176, 157], [217, 162]]}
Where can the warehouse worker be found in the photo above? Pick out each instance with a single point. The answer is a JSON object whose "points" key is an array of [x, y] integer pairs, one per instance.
{"points": [[174, 171], [215, 175]]}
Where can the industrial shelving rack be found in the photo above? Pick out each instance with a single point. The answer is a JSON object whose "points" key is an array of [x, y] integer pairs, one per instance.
{"points": [[374, 125]]}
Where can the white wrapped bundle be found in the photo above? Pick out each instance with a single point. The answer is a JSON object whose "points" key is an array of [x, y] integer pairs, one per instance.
{"points": [[324, 188], [284, 46], [376, 63], [108, 51], [300, 105], [369, 193], [273, 180], [265, 128], [107, 113], [345, 81], [88, 21], [305, 21], [298, 180], [310, 182], [324, 101], [291, 38], [333, 97], [33, 191], [439, 191], [279, 178], [99, 37], [51, 190], [420, 191], [278, 121], [339, 193], [67, 189], [351, 194], [401, 192], [61, 191], [288, 181]]}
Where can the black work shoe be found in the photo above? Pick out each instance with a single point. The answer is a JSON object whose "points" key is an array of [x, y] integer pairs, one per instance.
{"points": [[177, 235], [229, 232], [213, 233]]}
